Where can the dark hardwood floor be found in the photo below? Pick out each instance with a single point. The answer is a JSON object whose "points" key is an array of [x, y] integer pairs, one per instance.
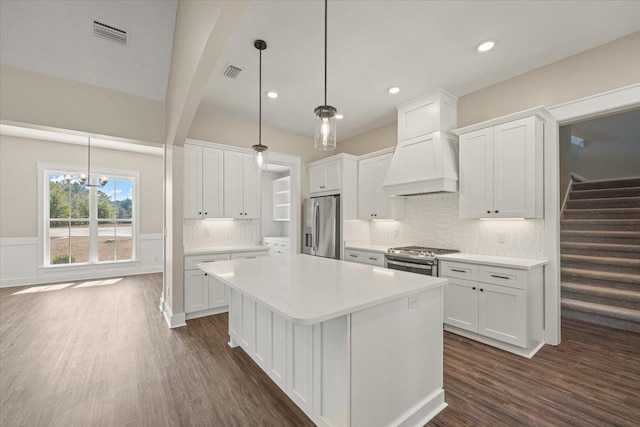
{"points": [[100, 354]]}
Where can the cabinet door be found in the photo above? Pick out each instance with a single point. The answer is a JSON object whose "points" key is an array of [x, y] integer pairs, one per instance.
{"points": [[461, 304], [316, 178], [502, 314], [192, 189], [262, 335], [233, 177], [235, 315], [514, 177], [250, 188], [383, 204], [212, 183], [332, 175], [476, 174], [277, 350], [366, 185], [217, 293], [196, 291]]}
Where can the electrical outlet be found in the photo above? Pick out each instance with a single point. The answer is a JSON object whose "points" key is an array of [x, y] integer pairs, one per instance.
{"points": [[414, 301], [501, 237]]}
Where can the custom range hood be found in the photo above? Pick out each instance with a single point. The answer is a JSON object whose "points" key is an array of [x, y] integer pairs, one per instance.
{"points": [[426, 157]]}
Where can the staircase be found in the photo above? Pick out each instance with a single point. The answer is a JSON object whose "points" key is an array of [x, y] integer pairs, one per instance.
{"points": [[600, 253]]}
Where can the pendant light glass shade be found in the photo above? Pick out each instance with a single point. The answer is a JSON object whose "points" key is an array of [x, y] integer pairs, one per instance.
{"points": [[324, 137], [260, 153]]}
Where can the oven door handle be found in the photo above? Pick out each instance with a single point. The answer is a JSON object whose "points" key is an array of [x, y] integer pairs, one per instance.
{"points": [[408, 264]]}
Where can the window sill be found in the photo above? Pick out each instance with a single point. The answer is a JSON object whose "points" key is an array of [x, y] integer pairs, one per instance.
{"points": [[88, 266]]}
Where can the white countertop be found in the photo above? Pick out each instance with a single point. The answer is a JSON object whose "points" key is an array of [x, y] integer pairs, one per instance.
{"points": [[282, 239], [366, 247], [225, 250], [306, 290], [496, 261]]}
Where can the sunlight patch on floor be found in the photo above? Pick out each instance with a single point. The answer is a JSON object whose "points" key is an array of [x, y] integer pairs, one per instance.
{"points": [[59, 286]]}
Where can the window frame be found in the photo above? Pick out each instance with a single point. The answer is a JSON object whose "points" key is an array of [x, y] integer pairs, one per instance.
{"points": [[44, 170]]}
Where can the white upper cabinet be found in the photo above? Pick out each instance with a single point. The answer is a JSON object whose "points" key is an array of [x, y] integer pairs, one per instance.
{"points": [[372, 202], [501, 170], [324, 177], [203, 182], [431, 113], [241, 183]]}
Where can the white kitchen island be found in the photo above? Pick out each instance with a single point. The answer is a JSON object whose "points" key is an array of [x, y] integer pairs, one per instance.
{"points": [[350, 344]]}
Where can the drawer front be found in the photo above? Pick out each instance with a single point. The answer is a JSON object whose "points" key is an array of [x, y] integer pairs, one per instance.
{"points": [[354, 256], [459, 270], [503, 276], [248, 255], [373, 258], [191, 261]]}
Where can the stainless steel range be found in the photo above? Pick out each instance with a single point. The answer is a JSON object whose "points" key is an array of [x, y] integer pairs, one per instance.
{"points": [[416, 259]]}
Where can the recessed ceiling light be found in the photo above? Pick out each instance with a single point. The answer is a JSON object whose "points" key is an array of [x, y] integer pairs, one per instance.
{"points": [[339, 116], [272, 94], [393, 90], [486, 46]]}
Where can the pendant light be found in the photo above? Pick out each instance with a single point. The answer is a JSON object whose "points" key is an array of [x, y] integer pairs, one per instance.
{"points": [[324, 137], [85, 178], [260, 155]]}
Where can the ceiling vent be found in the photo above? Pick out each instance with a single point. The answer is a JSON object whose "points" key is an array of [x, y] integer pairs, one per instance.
{"points": [[112, 33], [231, 71]]}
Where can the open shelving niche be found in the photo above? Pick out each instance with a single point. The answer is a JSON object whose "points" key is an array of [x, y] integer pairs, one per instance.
{"points": [[282, 199]]}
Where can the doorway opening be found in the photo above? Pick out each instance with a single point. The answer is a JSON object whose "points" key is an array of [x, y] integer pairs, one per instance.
{"points": [[276, 200]]}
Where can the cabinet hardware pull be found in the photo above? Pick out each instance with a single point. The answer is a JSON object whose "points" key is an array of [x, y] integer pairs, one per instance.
{"points": [[481, 290], [496, 211], [206, 213], [499, 277], [373, 259], [474, 288], [458, 271], [199, 213], [205, 274], [488, 211], [354, 256]]}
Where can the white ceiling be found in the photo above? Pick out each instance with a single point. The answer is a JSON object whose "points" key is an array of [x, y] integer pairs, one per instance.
{"points": [[56, 38], [417, 45]]}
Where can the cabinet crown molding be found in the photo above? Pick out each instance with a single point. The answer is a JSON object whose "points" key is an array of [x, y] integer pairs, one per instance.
{"points": [[540, 112]]}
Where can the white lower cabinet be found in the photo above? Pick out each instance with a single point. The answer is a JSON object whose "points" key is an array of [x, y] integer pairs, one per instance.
{"points": [[364, 257], [205, 295], [504, 305]]}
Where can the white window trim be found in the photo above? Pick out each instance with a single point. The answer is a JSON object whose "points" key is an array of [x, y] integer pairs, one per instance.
{"points": [[43, 214]]}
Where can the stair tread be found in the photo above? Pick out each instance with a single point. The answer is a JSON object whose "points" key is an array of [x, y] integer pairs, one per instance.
{"points": [[602, 309], [606, 221], [627, 262], [587, 193], [601, 291], [602, 246], [607, 183], [602, 233], [598, 274]]}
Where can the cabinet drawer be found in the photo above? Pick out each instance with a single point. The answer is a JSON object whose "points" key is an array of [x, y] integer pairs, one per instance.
{"points": [[191, 261], [248, 255], [503, 276], [458, 270], [351, 255], [373, 258]]}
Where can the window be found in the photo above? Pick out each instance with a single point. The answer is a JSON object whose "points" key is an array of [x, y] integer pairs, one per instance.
{"points": [[89, 224]]}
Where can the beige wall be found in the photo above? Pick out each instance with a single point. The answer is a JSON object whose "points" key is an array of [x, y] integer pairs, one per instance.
{"points": [[376, 139], [598, 70], [225, 130], [19, 180], [40, 99]]}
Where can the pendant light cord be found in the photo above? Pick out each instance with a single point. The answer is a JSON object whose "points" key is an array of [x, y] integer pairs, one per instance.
{"points": [[260, 103], [325, 51]]}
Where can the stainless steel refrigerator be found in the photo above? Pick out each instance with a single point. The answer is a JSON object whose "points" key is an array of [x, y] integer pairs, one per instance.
{"points": [[322, 226]]}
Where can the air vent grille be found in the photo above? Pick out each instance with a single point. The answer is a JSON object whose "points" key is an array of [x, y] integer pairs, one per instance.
{"points": [[108, 32], [231, 71]]}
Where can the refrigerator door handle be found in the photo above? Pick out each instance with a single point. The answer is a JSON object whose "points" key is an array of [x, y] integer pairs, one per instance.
{"points": [[316, 225]]}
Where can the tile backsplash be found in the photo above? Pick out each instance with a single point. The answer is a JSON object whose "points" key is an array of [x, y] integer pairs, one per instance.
{"points": [[199, 233], [432, 220]]}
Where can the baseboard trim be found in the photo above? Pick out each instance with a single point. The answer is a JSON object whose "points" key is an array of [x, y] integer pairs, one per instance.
{"points": [[173, 320], [205, 313], [528, 352], [424, 411], [79, 276]]}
